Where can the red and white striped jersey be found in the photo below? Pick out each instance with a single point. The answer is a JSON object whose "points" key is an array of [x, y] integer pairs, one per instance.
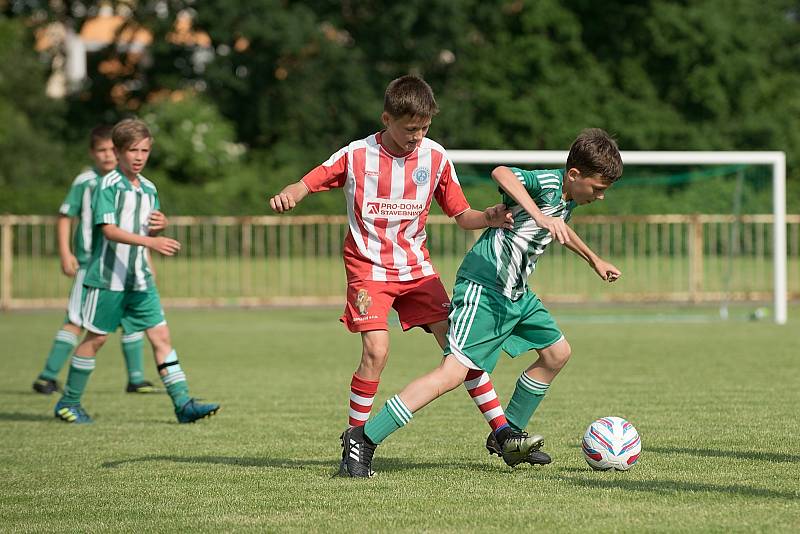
{"points": [[388, 200]]}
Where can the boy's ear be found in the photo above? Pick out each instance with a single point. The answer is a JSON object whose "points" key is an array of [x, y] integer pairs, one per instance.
{"points": [[385, 118], [573, 174]]}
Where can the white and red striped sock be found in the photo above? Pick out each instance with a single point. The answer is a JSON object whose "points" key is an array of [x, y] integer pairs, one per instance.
{"points": [[480, 388], [362, 394]]}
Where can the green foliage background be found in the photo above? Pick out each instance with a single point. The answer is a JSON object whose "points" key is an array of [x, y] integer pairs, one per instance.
{"points": [[242, 121]]}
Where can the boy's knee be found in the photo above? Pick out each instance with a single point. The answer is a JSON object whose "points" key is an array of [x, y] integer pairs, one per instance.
{"points": [[74, 329], [451, 374], [97, 340], [159, 336], [452, 382], [563, 354], [557, 356], [375, 360], [374, 352]]}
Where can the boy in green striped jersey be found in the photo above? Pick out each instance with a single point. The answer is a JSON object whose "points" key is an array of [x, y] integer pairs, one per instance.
{"points": [[493, 308], [77, 204], [119, 282]]}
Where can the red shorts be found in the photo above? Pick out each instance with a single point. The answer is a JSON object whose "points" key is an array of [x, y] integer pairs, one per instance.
{"points": [[418, 303]]}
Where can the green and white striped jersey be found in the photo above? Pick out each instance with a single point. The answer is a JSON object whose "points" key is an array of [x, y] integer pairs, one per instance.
{"points": [[504, 259], [117, 266], [78, 203]]}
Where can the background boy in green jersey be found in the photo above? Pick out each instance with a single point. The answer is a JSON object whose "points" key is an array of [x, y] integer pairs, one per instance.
{"points": [[119, 282], [74, 261], [492, 306]]}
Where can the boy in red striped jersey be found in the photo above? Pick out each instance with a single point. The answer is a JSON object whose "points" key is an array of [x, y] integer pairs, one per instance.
{"points": [[389, 180]]}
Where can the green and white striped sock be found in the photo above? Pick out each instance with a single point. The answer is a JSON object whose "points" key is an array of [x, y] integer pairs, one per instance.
{"points": [[63, 345], [175, 380], [80, 369], [394, 415], [132, 349], [528, 393]]}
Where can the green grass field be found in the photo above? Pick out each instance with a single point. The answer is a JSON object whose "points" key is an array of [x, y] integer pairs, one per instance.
{"points": [[716, 405]]}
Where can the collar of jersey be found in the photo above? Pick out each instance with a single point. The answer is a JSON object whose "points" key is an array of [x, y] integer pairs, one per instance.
{"points": [[142, 187], [379, 136]]}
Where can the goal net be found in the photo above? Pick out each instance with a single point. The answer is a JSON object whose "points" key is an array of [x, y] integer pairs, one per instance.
{"points": [[722, 254]]}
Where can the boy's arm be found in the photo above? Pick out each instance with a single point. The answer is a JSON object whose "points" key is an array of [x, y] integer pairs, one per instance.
{"points": [[70, 208], [450, 197], [163, 245], [156, 223], [69, 263], [509, 182], [149, 259], [604, 269], [496, 216], [287, 199], [332, 173]]}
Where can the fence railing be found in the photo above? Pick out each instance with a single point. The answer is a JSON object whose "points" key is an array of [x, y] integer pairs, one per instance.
{"points": [[297, 260]]}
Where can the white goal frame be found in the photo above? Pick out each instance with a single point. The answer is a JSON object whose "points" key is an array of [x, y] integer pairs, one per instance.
{"points": [[776, 160]]}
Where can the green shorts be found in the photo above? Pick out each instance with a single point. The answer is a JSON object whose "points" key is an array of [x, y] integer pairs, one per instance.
{"points": [[77, 299], [77, 296], [483, 321], [105, 310]]}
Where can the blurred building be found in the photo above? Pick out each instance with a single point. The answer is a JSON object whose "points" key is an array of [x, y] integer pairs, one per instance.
{"points": [[69, 49]]}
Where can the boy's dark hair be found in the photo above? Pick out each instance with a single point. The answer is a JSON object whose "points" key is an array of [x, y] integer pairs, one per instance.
{"points": [[409, 95], [129, 131], [101, 132], [595, 152]]}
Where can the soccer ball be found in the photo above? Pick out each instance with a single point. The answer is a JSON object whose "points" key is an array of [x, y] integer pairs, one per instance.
{"points": [[611, 443]]}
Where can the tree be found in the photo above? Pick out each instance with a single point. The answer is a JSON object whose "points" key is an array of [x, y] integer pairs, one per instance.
{"points": [[193, 143], [31, 153], [298, 80]]}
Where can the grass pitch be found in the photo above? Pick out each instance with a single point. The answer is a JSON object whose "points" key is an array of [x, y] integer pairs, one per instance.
{"points": [[716, 405]]}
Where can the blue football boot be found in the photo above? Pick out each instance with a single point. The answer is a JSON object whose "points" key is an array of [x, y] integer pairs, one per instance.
{"points": [[193, 410], [71, 413]]}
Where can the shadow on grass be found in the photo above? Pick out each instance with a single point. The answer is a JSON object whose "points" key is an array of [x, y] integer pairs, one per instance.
{"points": [[24, 417], [383, 464], [584, 470], [671, 487], [714, 453], [221, 460], [27, 392], [405, 464]]}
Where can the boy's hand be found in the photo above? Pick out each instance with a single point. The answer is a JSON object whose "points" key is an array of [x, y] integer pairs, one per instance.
{"points": [[282, 202], [165, 246], [556, 226], [606, 270], [157, 222], [69, 265], [498, 216]]}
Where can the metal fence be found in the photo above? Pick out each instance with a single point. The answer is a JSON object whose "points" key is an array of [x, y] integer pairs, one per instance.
{"points": [[245, 261]]}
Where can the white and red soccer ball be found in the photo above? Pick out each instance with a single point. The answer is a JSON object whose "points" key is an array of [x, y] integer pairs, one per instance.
{"points": [[611, 443]]}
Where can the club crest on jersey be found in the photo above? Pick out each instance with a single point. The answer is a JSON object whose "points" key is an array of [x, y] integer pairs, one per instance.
{"points": [[421, 175], [363, 301], [550, 195]]}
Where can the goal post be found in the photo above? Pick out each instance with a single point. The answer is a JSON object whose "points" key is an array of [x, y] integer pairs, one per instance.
{"points": [[775, 159]]}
